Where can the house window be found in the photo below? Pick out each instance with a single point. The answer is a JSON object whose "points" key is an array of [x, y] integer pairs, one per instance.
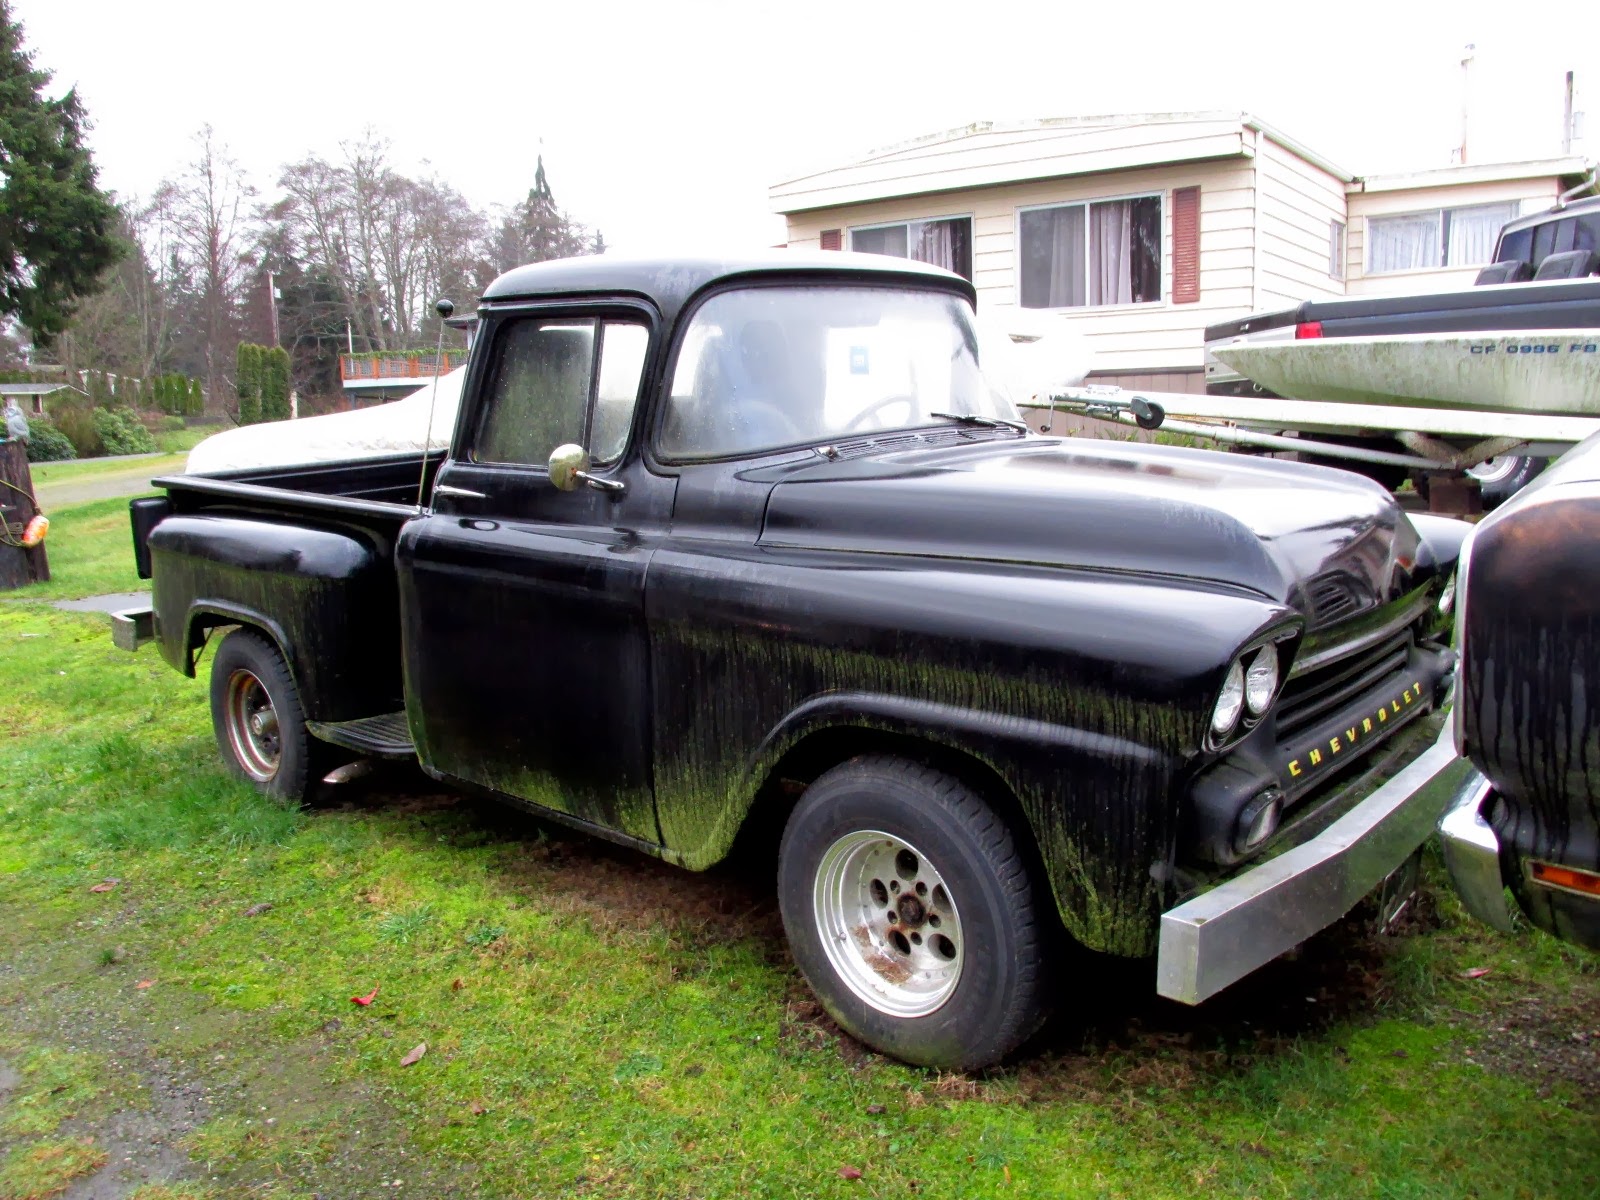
{"points": [[1336, 249], [945, 242], [1102, 252], [1439, 237]]}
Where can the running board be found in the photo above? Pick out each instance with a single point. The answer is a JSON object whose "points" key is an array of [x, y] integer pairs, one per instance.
{"points": [[384, 736]]}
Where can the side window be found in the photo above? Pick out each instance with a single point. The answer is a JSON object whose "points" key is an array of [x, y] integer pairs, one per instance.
{"points": [[622, 351], [543, 392]]}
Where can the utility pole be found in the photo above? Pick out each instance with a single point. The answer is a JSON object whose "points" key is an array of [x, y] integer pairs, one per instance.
{"points": [[272, 302], [1566, 120], [1466, 100]]}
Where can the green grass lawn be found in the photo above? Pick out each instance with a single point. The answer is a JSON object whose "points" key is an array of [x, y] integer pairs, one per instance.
{"points": [[602, 1025], [174, 445]]}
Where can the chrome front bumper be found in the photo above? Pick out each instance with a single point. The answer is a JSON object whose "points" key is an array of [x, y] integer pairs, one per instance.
{"points": [[1472, 854], [1222, 935]]}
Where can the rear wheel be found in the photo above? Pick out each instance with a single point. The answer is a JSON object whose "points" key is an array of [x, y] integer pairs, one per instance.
{"points": [[259, 722], [911, 914]]}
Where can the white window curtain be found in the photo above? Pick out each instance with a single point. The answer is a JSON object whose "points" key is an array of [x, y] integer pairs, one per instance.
{"points": [[1411, 242], [936, 243], [1065, 249], [1473, 232], [1111, 253]]}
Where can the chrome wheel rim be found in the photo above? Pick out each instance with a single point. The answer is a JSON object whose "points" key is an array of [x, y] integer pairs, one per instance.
{"points": [[1495, 469], [889, 924], [252, 726]]}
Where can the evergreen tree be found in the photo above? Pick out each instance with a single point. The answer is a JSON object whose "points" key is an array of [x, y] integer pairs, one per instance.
{"points": [[197, 399], [536, 230], [247, 382], [275, 384], [57, 228]]}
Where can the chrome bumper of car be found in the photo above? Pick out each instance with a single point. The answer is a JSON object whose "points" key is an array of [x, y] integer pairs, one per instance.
{"points": [[1224, 934], [1472, 853]]}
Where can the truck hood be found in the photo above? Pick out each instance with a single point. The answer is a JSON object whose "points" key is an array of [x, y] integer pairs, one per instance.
{"points": [[1328, 543]]}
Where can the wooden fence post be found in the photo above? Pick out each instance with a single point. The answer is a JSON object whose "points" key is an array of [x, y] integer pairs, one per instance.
{"points": [[18, 566]]}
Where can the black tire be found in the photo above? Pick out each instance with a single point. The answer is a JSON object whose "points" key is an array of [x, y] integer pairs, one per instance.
{"points": [[987, 989], [250, 680], [1501, 478]]}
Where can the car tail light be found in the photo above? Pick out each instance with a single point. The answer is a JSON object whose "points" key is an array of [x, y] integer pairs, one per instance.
{"points": [[1569, 879], [1308, 329]]}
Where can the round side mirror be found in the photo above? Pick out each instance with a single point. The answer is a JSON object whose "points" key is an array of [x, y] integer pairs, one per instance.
{"points": [[568, 465]]}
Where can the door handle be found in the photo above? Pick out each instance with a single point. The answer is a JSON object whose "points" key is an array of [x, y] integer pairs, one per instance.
{"points": [[447, 489]]}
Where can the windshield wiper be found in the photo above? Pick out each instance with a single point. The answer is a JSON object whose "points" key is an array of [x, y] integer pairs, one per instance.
{"points": [[986, 422]]}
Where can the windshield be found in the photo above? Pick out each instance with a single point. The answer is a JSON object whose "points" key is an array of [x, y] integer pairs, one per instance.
{"points": [[761, 368]]}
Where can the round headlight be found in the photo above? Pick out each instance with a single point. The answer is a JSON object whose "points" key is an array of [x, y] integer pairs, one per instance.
{"points": [[1261, 680], [1230, 703]]}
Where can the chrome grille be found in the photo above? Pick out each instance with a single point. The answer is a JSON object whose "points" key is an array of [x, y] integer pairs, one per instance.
{"points": [[1308, 698]]}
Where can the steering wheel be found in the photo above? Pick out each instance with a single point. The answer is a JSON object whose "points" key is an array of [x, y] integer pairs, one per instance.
{"points": [[878, 406]]}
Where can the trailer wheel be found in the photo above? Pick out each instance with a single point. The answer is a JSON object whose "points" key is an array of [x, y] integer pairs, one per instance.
{"points": [[1503, 476], [259, 722], [911, 914]]}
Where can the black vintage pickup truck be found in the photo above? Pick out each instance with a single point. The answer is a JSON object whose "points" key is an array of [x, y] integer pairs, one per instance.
{"points": [[728, 547]]}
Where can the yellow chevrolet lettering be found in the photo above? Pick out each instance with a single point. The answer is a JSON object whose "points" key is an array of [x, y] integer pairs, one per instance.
{"points": [[1349, 737], [1366, 725], [1315, 756], [1334, 745], [1383, 715], [1294, 767]]}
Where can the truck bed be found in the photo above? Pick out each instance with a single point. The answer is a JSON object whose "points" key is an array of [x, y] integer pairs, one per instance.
{"points": [[375, 492]]}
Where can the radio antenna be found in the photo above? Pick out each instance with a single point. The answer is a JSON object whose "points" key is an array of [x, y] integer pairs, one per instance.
{"points": [[444, 308]]}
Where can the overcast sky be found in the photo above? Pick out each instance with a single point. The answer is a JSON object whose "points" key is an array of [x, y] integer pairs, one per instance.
{"points": [[664, 123]]}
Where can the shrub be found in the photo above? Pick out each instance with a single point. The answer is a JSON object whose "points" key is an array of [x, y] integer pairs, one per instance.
{"points": [[247, 382], [76, 421], [196, 404], [274, 384], [171, 424], [46, 443], [121, 431]]}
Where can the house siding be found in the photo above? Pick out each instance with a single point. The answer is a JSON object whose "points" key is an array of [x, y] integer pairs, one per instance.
{"points": [[1146, 337], [1299, 201], [1531, 195]]}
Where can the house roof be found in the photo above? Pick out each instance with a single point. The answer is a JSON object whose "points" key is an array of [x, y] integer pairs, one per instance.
{"points": [[34, 389], [986, 154], [1538, 168]]}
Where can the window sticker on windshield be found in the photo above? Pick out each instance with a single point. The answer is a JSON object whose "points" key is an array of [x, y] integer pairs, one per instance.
{"points": [[858, 360]]}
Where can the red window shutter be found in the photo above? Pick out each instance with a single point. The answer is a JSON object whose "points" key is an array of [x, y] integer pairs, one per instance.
{"points": [[1185, 245], [833, 239]]}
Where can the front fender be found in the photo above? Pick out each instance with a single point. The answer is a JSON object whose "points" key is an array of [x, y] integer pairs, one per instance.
{"points": [[1095, 806]]}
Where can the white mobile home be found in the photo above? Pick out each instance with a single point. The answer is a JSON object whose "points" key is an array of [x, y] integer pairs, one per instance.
{"points": [[1142, 230]]}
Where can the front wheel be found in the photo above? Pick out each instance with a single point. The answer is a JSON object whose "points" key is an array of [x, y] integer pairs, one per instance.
{"points": [[911, 914], [259, 722]]}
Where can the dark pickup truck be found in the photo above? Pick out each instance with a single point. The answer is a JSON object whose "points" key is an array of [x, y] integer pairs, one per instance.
{"points": [[722, 548]]}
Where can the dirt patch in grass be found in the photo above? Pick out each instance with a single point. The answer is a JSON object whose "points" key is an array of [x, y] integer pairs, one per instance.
{"points": [[1543, 1040]]}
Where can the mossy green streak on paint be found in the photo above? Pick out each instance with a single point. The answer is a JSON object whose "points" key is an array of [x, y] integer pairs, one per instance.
{"points": [[1101, 811]]}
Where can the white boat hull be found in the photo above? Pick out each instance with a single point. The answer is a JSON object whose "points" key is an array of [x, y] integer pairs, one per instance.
{"points": [[1553, 372]]}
